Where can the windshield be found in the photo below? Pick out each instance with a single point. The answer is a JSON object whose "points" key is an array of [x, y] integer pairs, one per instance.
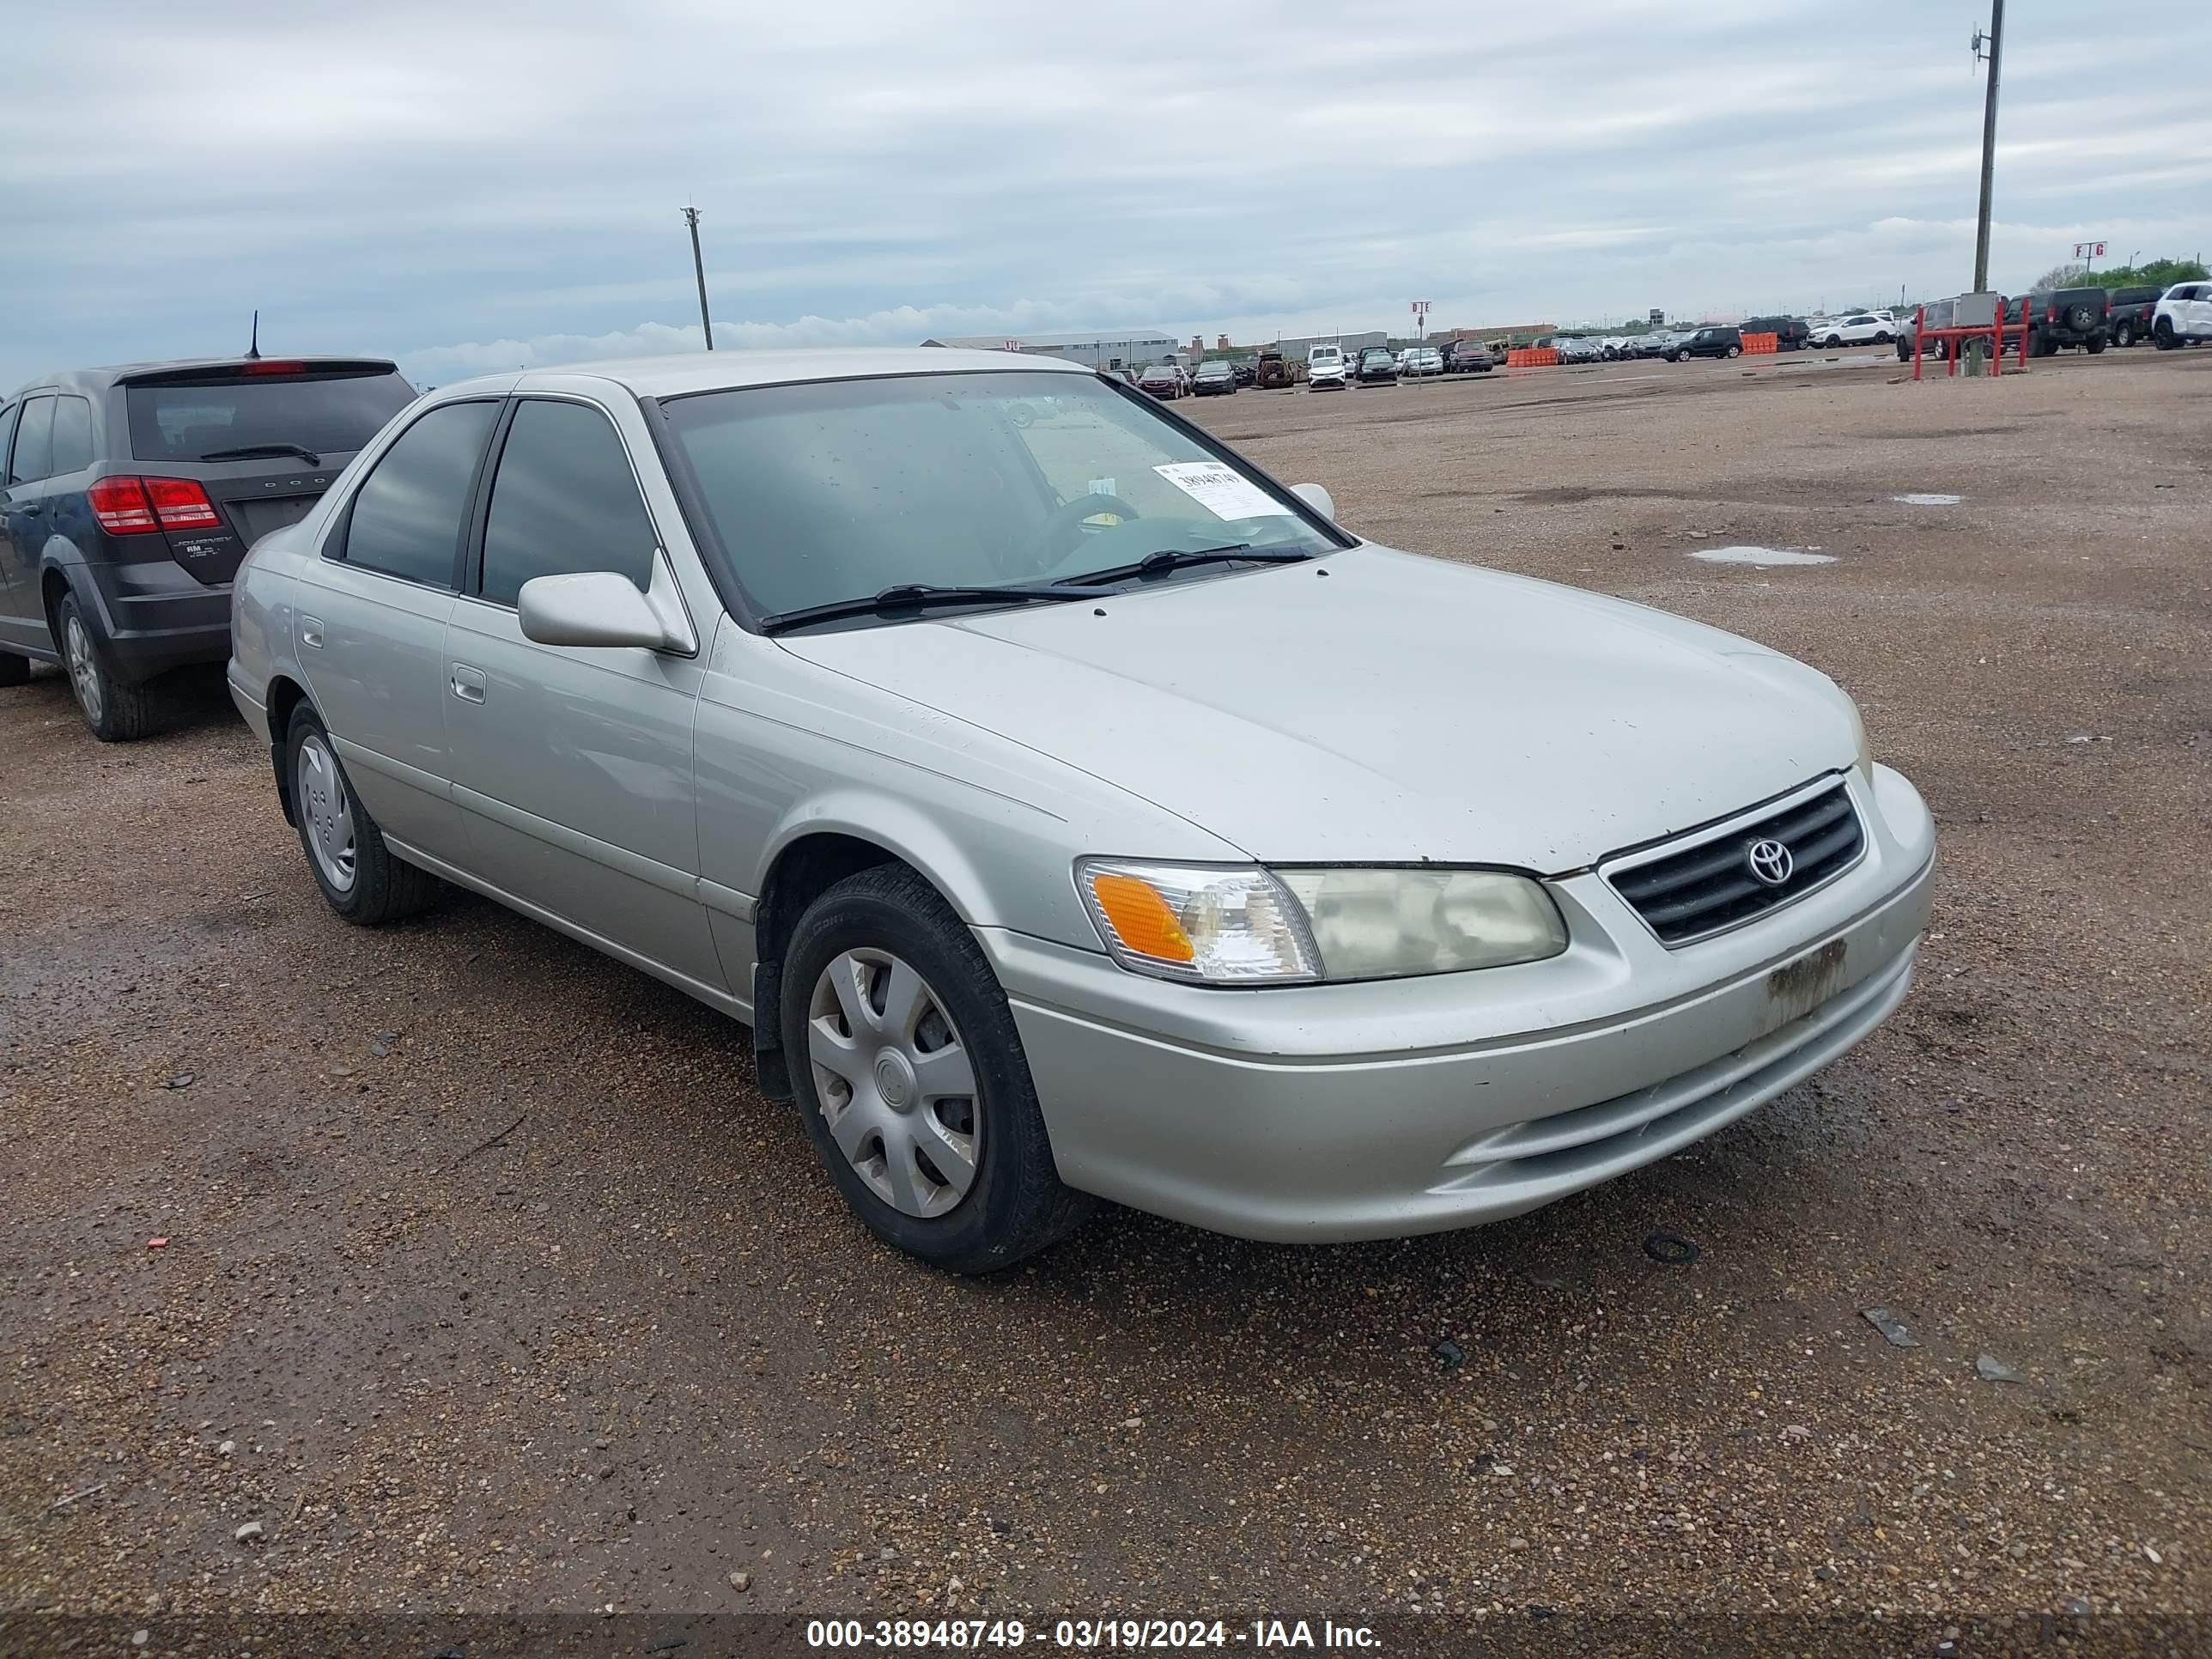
{"points": [[841, 489]]}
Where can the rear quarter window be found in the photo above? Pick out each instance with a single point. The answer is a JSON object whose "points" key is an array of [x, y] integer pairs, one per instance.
{"points": [[188, 419]]}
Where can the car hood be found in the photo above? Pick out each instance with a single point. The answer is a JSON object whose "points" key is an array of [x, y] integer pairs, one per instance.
{"points": [[1396, 709]]}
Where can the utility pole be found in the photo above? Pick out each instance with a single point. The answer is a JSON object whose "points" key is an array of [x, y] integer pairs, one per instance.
{"points": [[699, 267], [1989, 45]]}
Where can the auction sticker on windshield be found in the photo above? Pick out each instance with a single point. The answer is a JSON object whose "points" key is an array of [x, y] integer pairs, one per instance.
{"points": [[1221, 490]]}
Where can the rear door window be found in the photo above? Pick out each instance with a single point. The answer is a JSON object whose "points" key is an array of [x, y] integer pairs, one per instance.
{"points": [[34, 443], [206, 416], [407, 516], [564, 500], [72, 435]]}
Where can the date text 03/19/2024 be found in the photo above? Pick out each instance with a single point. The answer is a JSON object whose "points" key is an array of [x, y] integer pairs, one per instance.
{"points": [[1085, 1634]]}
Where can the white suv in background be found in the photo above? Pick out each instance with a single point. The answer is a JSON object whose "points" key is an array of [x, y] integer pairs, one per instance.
{"points": [[1325, 369], [2184, 316], [1860, 328]]}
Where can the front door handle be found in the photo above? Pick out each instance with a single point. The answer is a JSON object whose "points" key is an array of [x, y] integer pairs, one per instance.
{"points": [[311, 632], [468, 683]]}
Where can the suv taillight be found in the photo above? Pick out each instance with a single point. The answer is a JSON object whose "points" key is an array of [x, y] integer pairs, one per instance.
{"points": [[126, 506]]}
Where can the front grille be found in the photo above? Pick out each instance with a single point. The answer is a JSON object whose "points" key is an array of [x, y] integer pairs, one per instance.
{"points": [[1708, 885]]}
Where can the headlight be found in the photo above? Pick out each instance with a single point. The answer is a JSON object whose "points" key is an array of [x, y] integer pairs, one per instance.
{"points": [[1865, 761], [1253, 927]]}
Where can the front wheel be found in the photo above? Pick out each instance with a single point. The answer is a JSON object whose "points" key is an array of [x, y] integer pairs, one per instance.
{"points": [[1881, 337], [1835, 342], [2163, 336], [911, 1079], [360, 878]]}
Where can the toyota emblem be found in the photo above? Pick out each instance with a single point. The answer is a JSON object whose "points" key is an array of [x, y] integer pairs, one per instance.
{"points": [[1770, 862]]}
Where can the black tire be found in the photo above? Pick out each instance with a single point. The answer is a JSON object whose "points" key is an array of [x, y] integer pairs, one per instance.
{"points": [[1736, 351], [117, 710], [1017, 1204], [2123, 335], [2080, 318], [2163, 335], [14, 670], [385, 887], [2095, 346], [1881, 337]]}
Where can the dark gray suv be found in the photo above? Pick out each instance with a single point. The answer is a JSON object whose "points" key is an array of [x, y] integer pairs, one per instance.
{"points": [[129, 495]]}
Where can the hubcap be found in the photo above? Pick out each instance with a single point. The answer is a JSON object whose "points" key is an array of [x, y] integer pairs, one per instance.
{"points": [[83, 669], [896, 1086], [326, 810]]}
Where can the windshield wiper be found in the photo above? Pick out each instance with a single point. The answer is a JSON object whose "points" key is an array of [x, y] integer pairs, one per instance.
{"points": [[1179, 558], [263, 451], [908, 596]]}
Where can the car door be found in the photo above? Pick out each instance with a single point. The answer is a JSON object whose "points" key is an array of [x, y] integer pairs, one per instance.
{"points": [[9, 558], [573, 765], [23, 525], [2199, 310], [370, 622]]}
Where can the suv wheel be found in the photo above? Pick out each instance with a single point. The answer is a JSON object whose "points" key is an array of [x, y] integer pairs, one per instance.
{"points": [[2125, 334], [2162, 334], [911, 1079], [2080, 318], [1736, 351], [2095, 346], [118, 710], [361, 878]]}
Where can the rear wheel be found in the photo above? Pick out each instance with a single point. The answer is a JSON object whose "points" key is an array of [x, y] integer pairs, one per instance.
{"points": [[118, 710], [1736, 351], [2125, 334], [2095, 346], [362, 880], [912, 1081]]}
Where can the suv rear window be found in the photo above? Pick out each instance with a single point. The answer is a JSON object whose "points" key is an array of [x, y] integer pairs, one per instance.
{"points": [[188, 418]]}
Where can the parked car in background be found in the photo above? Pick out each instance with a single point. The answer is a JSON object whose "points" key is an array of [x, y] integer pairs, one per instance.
{"points": [[1936, 313], [2183, 316], [1142, 907], [1326, 369], [1573, 348], [1247, 372], [1376, 367], [1790, 333], [1162, 380], [1216, 378], [2133, 314], [1858, 328], [2059, 317], [131, 494], [1468, 357], [1421, 363], [1707, 343]]}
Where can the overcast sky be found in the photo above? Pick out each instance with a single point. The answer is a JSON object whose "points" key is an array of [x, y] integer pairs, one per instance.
{"points": [[471, 186]]}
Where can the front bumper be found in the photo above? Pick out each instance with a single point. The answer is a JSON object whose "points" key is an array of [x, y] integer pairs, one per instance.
{"points": [[1324, 1113]]}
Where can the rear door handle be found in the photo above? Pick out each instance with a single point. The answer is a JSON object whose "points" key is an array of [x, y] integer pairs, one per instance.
{"points": [[311, 632], [468, 683]]}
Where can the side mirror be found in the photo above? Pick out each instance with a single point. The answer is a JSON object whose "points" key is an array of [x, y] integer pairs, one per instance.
{"points": [[592, 607], [1316, 498]]}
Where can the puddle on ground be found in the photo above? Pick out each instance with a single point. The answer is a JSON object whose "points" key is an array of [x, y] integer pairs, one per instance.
{"points": [[1764, 556], [1929, 500]]}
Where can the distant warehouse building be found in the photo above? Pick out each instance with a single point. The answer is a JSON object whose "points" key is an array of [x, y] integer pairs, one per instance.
{"points": [[1297, 349], [1128, 347]]}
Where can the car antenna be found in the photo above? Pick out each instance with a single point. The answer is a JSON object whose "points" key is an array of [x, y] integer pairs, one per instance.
{"points": [[254, 345]]}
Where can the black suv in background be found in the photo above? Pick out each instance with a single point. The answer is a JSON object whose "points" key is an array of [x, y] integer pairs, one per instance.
{"points": [[1790, 333], [2068, 316], [1707, 342], [1376, 367], [129, 496], [2133, 310]]}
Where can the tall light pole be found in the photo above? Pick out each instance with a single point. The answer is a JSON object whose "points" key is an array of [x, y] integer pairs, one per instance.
{"points": [[699, 267], [1989, 45]]}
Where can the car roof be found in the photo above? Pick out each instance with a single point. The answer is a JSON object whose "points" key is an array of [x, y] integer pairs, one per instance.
{"points": [[95, 379], [679, 375]]}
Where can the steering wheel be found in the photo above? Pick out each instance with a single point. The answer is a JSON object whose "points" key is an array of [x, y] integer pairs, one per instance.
{"points": [[1059, 529]]}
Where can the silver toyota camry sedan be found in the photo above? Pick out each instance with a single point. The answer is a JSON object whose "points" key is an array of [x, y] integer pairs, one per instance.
{"points": [[1072, 811]]}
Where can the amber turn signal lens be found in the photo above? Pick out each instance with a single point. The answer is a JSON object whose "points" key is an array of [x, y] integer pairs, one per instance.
{"points": [[1141, 920]]}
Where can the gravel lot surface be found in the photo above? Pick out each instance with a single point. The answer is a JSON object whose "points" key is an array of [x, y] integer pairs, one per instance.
{"points": [[490, 1284]]}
